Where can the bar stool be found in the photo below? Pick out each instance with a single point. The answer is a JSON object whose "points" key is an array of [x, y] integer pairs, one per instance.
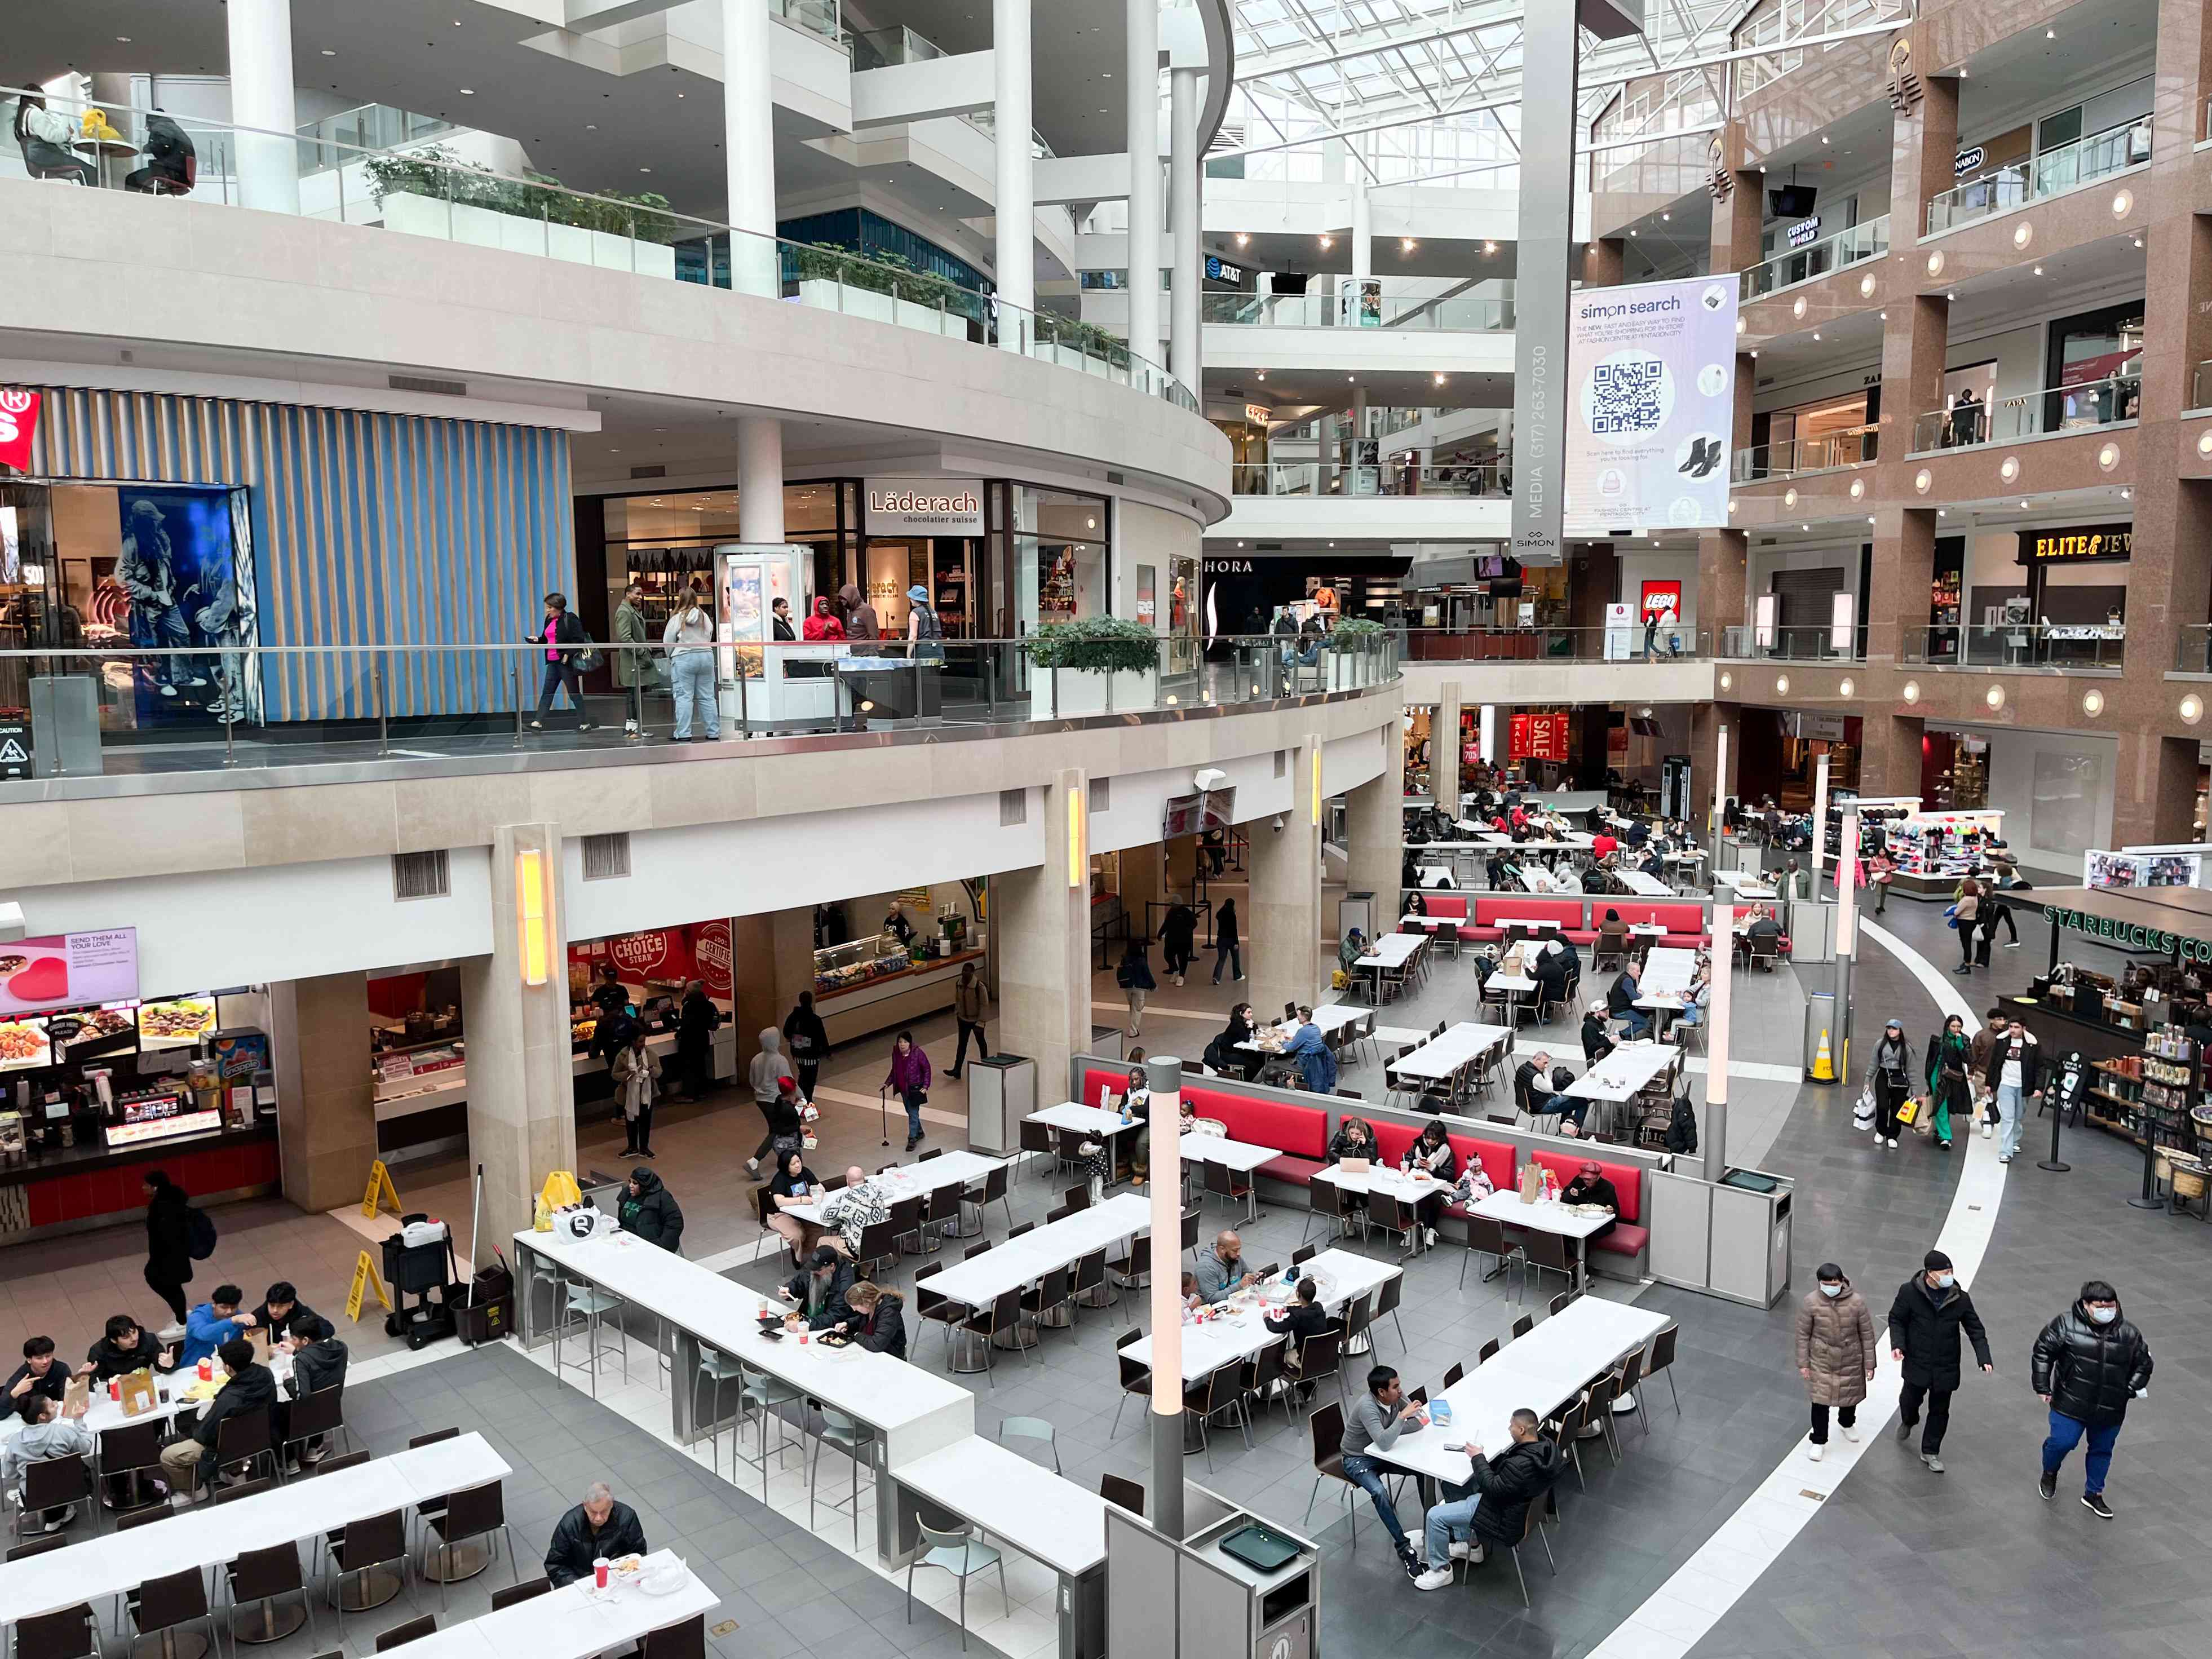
{"points": [[848, 1436], [717, 1368], [763, 1394], [587, 1302]]}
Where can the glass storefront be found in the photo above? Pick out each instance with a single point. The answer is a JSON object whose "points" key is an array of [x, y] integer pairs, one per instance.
{"points": [[1060, 543]]}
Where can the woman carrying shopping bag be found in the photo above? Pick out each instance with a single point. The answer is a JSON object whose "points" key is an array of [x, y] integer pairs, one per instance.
{"points": [[1950, 1064], [1891, 1075]]}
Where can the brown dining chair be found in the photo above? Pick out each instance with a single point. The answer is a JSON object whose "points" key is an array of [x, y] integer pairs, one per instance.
{"points": [[37, 1547], [1136, 1377], [256, 1579], [523, 1592], [474, 1512], [1325, 1429], [68, 1633], [1487, 1236], [1454, 1374], [1119, 1489], [159, 1606], [686, 1639], [413, 1630], [1489, 1352], [1662, 1359], [1523, 1325]]}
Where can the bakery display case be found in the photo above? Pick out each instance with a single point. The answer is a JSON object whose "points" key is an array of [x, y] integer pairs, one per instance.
{"points": [[859, 962]]}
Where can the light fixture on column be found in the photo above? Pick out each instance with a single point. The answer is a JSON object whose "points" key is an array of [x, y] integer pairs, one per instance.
{"points": [[1912, 691], [2092, 703], [1078, 828], [1867, 286], [1995, 697], [2192, 708], [1728, 681], [2108, 457], [1316, 785], [1782, 685], [1923, 478], [1846, 686], [534, 947]]}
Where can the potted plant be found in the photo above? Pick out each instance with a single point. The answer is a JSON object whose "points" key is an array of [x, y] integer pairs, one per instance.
{"points": [[432, 192], [883, 286], [1353, 653], [1095, 665], [1084, 347]]}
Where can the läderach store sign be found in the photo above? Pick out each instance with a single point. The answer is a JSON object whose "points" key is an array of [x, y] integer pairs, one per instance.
{"points": [[2129, 935]]}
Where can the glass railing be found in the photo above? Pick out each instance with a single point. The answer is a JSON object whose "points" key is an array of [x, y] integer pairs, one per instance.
{"points": [[1537, 643], [1749, 642], [987, 121], [1342, 478], [2193, 648], [336, 139], [426, 192], [815, 16], [133, 711], [1846, 247], [2092, 646], [2200, 386], [1820, 452], [1460, 315], [881, 48], [2083, 407], [2055, 172]]}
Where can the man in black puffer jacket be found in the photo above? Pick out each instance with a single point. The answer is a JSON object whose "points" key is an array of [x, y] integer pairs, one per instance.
{"points": [[1493, 1507], [2089, 1361], [648, 1209], [1930, 1309]]}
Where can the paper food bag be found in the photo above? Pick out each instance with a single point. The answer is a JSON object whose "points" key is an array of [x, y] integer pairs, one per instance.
{"points": [[1532, 1182], [76, 1398], [137, 1393]]}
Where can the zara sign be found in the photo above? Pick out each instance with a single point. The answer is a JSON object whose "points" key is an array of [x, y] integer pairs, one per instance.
{"points": [[924, 506]]}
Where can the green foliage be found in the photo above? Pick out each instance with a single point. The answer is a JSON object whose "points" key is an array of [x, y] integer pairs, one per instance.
{"points": [[1355, 634], [1098, 645], [882, 273], [436, 172]]}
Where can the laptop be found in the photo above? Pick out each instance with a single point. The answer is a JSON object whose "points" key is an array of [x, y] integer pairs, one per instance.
{"points": [[1355, 1165]]}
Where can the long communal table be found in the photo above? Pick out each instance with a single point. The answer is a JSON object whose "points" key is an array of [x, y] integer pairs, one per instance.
{"points": [[1545, 1216], [206, 1536], [961, 1169], [979, 1281], [1339, 1276], [1441, 1056], [1540, 1372], [573, 1622]]}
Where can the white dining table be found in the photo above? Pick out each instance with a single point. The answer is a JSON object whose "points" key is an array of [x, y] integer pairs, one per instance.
{"points": [[575, 1622], [204, 1536], [1441, 1056], [1242, 1330], [1649, 886], [1329, 1020], [1669, 968], [1083, 1120], [951, 1168], [1557, 1360], [1545, 1216], [977, 1282], [102, 1414], [1628, 1069]]}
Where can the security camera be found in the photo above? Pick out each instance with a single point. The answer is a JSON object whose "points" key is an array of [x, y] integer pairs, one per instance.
{"points": [[1209, 777], [1278, 826]]}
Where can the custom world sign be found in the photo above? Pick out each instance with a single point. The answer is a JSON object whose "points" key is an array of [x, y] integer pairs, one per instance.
{"points": [[2128, 935]]}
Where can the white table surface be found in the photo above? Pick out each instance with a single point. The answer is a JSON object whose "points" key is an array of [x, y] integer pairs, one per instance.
{"points": [[1381, 1178], [1650, 886], [1647, 930], [1669, 968], [1339, 1275], [1555, 1360], [960, 1168], [1017, 1501], [914, 1410], [1625, 1070], [1439, 1057], [1399, 1034], [1541, 1217], [1510, 982], [1434, 876], [102, 1414], [572, 1623], [1241, 1155], [1535, 924], [1667, 1001], [1083, 1120], [1022, 1261], [1416, 918], [201, 1537], [1391, 951], [1328, 1020]]}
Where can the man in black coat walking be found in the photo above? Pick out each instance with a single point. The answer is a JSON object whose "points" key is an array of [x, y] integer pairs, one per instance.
{"points": [[2089, 1363], [1930, 1309]]}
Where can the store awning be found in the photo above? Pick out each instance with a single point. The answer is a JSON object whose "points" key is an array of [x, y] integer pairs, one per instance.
{"points": [[2164, 919]]}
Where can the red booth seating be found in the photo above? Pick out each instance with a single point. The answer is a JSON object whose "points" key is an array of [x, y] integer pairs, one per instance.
{"points": [[1628, 1237], [1684, 923], [1443, 906], [1096, 1082], [1299, 1134], [1391, 1139], [1527, 906]]}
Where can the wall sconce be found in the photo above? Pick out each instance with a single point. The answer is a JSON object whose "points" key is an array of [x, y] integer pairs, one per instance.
{"points": [[1316, 785], [1079, 841], [536, 948]]}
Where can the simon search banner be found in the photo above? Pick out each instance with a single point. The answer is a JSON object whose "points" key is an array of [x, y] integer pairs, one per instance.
{"points": [[1652, 406]]}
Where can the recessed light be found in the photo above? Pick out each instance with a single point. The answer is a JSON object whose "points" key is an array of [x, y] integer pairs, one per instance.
{"points": [[591, 126], [645, 169], [1823, 137], [2039, 270], [1665, 218], [2050, 34], [1405, 244], [1328, 242], [123, 40], [1816, 333], [1243, 240], [468, 92], [1490, 247], [1263, 374], [1440, 379]]}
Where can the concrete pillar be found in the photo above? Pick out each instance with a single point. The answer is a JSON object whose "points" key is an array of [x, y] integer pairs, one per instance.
{"points": [[522, 1102], [1042, 932], [1889, 755], [326, 1091], [1186, 171], [2154, 795], [1014, 182], [1443, 748], [1282, 921], [1708, 788], [1604, 262], [1144, 881], [1143, 75], [1592, 587], [260, 38], [749, 147], [1901, 576], [759, 479], [1374, 825]]}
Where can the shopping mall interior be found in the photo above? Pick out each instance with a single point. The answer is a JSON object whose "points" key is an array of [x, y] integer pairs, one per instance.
{"points": [[671, 673]]}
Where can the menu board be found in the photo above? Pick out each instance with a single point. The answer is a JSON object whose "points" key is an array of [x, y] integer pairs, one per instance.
{"points": [[176, 1023], [24, 1045], [58, 971], [92, 1032]]}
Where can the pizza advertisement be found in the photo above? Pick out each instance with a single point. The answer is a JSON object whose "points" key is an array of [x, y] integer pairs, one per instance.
{"points": [[24, 1045], [62, 970], [176, 1023]]}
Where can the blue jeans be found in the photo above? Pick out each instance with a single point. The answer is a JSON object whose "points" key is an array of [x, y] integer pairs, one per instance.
{"points": [[2012, 1113], [1636, 1022], [2066, 1433], [691, 676], [912, 1097], [558, 674], [1449, 1522], [1363, 1473]]}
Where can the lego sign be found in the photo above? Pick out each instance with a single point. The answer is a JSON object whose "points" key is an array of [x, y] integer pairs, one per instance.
{"points": [[1538, 736], [19, 424]]}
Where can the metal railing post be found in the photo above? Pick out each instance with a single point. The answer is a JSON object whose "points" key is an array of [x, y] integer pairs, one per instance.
{"points": [[383, 710], [229, 706], [515, 687], [744, 710]]}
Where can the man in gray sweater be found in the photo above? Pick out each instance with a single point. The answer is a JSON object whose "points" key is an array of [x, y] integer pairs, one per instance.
{"points": [[1375, 1425]]}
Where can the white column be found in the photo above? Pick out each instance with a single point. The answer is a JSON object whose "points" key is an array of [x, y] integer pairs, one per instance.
{"points": [[1163, 1076], [1819, 819], [1363, 224], [1014, 184], [1713, 1138], [1184, 169], [759, 479], [748, 151], [260, 33], [1143, 69]]}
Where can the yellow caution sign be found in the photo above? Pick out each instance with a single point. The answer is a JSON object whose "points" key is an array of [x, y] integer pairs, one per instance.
{"points": [[1824, 1063], [381, 1191], [365, 1277]]}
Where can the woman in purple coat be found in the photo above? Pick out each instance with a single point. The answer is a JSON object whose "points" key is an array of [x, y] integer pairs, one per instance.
{"points": [[910, 1076]]}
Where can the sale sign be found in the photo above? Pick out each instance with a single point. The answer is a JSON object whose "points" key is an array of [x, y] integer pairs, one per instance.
{"points": [[1538, 736], [65, 970], [19, 424]]}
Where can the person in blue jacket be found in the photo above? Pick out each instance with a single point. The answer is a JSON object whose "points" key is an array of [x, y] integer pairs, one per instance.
{"points": [[1316, 1065], [212, 1323]]}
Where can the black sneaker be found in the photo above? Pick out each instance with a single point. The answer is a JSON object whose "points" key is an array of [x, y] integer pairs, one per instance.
{"points": [[2047, 1486], [1409, 1558], [2094, 1502]]}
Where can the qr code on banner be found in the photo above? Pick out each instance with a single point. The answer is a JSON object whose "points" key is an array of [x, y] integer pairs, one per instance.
{"points": [[1625, 396]]}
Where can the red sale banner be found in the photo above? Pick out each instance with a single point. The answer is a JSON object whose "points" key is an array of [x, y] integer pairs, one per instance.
{"points": [[1538, 736], [19, 424]]}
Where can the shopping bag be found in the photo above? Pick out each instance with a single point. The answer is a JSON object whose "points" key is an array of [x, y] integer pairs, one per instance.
{"points": [[1910, 1112], [1863, 1114], [1532, 1182]]}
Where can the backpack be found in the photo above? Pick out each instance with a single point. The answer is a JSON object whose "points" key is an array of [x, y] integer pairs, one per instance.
{"points": [[1682, 1128], [199, 1235]]}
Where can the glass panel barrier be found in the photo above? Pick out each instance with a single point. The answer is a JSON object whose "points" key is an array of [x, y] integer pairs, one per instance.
{"points": [[2088, 647], [2064, 168], [1846, 247], [2084, 405]]}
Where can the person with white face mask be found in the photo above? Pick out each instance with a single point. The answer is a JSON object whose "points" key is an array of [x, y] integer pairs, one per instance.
{"points": [[1930, 1309], [2088, 1363], [1836, 1353]]}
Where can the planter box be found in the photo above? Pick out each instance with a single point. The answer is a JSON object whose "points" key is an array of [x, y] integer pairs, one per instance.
{"points": [[1083, 692], [1351, 671], [826, 294], [512, 232]]}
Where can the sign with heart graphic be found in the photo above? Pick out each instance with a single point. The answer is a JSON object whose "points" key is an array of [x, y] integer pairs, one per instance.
{"points": [[61, 970]]}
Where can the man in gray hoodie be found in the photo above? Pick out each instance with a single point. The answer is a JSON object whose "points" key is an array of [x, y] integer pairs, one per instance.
{"points": [[770, 1066]]}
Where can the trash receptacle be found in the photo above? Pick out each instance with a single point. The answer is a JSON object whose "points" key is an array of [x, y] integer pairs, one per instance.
{"points": [[1824, 1043], [1357, 910]]}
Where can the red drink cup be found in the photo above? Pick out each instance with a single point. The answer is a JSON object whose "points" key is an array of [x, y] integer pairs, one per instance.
{"points": [[599, 1573]]}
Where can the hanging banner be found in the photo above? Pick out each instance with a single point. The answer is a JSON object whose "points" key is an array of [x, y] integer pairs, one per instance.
{"points": [[1537, 736], [19, 424], [1652, 416]]}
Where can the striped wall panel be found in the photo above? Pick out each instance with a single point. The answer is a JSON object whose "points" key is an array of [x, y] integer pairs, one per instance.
{"points": [[369, 530]]}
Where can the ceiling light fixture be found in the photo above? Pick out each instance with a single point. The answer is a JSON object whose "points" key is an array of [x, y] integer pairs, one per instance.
{"points": [[1490, 247], [1440, 379], [468, 92], [1326, 240], [1405, 244], [2039, 270], [327, 52], [1244, 239]]}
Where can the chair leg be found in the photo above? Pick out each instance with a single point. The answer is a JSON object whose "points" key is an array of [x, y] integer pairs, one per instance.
{"points": [[1548, 1556], [1676, 1392], [1520, 1575]]}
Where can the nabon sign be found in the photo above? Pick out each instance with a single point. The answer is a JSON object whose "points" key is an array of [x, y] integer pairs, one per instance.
{"points": [[928, 507], [19, 424]]}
